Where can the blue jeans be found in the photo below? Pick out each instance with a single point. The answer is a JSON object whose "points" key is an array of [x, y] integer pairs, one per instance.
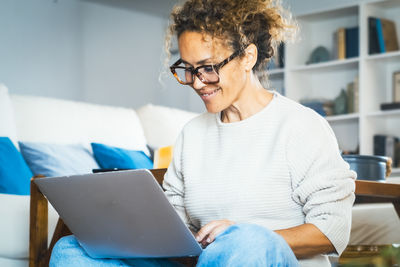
{"points": [[239, 245]]}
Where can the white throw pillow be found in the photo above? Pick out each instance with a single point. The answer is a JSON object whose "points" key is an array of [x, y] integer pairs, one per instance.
{"points": [[162, 125], [7, 122], [57, 121]]}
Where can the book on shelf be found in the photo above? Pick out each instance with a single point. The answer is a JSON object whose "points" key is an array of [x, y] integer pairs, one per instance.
{"points": [[389, 35], [335, 46], [278, 59], [379, 35], [382, 36], [352, 96], [390, 106], [386, 145], [341, 43], [373, 44], [351, 42], [346, 43], [356, 95]]}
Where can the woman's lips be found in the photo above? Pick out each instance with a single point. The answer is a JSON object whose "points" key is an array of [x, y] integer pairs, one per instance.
{"points": [[206, 96]]}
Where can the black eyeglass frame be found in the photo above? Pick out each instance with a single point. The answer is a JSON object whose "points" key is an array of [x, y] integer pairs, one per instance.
{"points": [[195, 71]]}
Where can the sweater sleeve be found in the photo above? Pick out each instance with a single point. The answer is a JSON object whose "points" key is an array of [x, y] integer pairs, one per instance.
{"points": [[173, 182], [322, 182]]}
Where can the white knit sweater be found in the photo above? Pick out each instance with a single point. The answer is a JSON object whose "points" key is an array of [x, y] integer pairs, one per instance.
{"points": [[278, 168]]}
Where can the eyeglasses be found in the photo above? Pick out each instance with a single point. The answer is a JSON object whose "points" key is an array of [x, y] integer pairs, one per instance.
{"points": [[207, 74]]}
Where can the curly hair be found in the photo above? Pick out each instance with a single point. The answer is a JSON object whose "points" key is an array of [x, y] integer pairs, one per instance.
{"points": [[264, 23]]}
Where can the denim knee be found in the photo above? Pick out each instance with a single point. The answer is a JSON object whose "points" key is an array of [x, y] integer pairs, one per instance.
{"points": [[248, 244], [68, 253]]}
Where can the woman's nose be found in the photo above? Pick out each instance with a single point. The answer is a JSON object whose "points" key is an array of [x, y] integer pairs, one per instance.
{"points": [[197, 83]]}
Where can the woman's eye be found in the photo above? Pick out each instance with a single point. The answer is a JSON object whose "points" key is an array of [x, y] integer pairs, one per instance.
{"points": [[208, 69]]}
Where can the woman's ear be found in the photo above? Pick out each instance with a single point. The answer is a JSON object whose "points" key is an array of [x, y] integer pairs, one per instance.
{"points": [[250, 58]]}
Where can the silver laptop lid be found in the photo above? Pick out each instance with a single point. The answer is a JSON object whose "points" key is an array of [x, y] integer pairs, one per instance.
{"points": [[122, 214]]}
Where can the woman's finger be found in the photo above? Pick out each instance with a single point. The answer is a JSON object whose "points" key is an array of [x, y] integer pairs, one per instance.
{"points": [[205, 230], [216, 231]]}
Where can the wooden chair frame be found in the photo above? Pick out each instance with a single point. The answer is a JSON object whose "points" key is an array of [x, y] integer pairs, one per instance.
{"points": [[39, 251]]}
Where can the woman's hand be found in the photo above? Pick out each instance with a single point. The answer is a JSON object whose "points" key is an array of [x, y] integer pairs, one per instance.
{"points": [[208, 232]]}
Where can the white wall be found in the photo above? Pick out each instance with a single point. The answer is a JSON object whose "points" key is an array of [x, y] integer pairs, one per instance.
{"points": [[123, 55], [40, 47], [100, 51]]}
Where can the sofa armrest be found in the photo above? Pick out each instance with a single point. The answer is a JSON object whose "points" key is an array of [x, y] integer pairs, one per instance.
{"points": [[14, 230]]}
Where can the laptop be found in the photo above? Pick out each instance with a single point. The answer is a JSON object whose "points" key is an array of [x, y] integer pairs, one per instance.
{"points": [[121, 214]]}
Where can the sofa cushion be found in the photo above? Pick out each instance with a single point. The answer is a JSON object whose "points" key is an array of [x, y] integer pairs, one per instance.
{"points": [[57, 160], [114, 157], [49, 120], [15, 175], [7, 122], [162, 125]]}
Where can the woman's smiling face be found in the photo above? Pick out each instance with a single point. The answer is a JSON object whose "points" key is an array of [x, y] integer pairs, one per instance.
{"points": [[198, 49]]}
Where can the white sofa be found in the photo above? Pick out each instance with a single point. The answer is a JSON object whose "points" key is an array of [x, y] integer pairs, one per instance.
{"points": [[39, 119]]}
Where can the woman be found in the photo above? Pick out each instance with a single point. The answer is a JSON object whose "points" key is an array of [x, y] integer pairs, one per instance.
{"points": [[258, 178]]}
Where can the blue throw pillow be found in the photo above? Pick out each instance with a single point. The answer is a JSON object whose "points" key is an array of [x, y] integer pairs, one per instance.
{"points": [[57, 159], [15, 175], [110, 157]]}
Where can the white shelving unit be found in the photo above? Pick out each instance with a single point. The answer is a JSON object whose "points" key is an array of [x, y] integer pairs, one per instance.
{"points": [[325, 80]]}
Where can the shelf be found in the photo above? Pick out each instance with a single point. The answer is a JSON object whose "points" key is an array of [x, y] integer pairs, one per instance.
{"points": [[324, 14], [388, 4], [350, 63], [393, 56], [381, 113], [396, 170], [326, 80], [274, 72], [344, 117]]}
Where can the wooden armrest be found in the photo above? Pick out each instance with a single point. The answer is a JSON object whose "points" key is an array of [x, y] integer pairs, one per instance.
{"points": [[39, 252], [38, 227], [159, 174], [375, 192]]}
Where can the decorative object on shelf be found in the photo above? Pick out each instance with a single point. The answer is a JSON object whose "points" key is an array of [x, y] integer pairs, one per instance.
{"points": [[319, 54], [340, 103], [382, 35], [396, 86], [322, 106], [373, 168]]}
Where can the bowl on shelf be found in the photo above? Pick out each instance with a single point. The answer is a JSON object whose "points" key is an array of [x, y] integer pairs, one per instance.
{"points": [[373, 168]]}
